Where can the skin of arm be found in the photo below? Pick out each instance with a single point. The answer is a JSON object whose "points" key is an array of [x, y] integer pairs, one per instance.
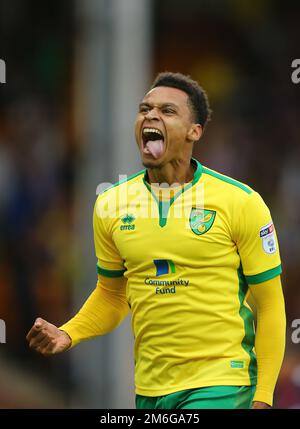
{"points": [[269, 339], [102, 312]]}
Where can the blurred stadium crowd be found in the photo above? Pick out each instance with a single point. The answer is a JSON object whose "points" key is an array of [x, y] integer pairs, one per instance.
{"points": [[240, 53]]}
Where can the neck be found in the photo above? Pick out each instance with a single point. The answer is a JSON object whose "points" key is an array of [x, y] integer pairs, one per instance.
{"points": [[176, 171]]}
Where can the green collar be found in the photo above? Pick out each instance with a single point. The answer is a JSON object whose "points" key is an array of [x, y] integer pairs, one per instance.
{"points": [[164, 206], [197, 174], [198, 171]]}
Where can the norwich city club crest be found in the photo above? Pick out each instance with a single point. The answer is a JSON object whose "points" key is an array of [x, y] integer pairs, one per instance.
{"points": [[201, 220]]}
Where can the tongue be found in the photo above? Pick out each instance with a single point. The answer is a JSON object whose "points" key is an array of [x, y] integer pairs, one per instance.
{"points": [[155, 147]]}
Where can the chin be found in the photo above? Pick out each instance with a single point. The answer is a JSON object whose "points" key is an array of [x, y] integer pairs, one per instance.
{"points": [[151, 163]]}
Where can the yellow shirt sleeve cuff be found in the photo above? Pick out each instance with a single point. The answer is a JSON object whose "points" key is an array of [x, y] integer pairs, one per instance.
{"points": [[263, 396], [72, 334]]}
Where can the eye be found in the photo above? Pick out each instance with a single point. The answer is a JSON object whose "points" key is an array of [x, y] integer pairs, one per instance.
{"points": [[144, 109], [168, 111]]}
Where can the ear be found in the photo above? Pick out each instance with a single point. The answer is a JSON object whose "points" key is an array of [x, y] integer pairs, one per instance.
{"points": [[195, 133]]}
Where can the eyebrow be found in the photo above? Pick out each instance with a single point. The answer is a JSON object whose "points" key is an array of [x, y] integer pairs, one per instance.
{"points": [[162, 105]]}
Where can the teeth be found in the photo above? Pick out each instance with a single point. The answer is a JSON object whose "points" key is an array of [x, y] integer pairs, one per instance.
{"points": [[152, 130]]}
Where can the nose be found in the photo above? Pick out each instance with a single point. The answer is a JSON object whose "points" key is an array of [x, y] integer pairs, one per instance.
{"points": [[152, 114]]}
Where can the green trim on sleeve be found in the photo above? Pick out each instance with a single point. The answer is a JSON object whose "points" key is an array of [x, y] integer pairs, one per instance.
{"points": [[110, 273], [263, 277], [248, 319]]}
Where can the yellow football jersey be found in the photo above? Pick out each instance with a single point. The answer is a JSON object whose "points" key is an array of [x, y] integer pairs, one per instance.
{"points": [[188, 255]]}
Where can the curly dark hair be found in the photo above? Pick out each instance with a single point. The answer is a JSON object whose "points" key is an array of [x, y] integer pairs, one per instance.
{"points": [[198, 99]]}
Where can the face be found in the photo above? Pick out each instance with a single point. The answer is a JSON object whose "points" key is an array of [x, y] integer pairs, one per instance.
{"points": [[164, 127]]}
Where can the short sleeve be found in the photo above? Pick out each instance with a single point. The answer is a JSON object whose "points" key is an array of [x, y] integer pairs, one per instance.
{"points": [[256, 241], [110, 263]]}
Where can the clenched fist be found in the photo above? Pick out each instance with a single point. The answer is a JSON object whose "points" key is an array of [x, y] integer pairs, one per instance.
{"points": [[47, 339]]}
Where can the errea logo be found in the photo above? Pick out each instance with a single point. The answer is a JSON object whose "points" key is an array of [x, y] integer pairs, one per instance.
{"points": [[127, 221]]}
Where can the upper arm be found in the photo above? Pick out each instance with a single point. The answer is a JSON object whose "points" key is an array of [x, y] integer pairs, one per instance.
{"points": [[256, 241], [113, 284], [267, 293], [109, 264]]}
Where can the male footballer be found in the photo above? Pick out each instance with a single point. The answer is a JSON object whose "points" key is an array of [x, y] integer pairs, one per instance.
{"points": [[181, 246]]}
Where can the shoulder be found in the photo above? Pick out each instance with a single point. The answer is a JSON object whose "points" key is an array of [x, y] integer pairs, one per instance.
{"points": [[226, 182], [111, 193], [236, 193]]}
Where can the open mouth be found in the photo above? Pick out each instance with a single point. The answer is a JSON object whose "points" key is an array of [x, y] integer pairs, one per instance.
{"points": [[153, 142]]}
